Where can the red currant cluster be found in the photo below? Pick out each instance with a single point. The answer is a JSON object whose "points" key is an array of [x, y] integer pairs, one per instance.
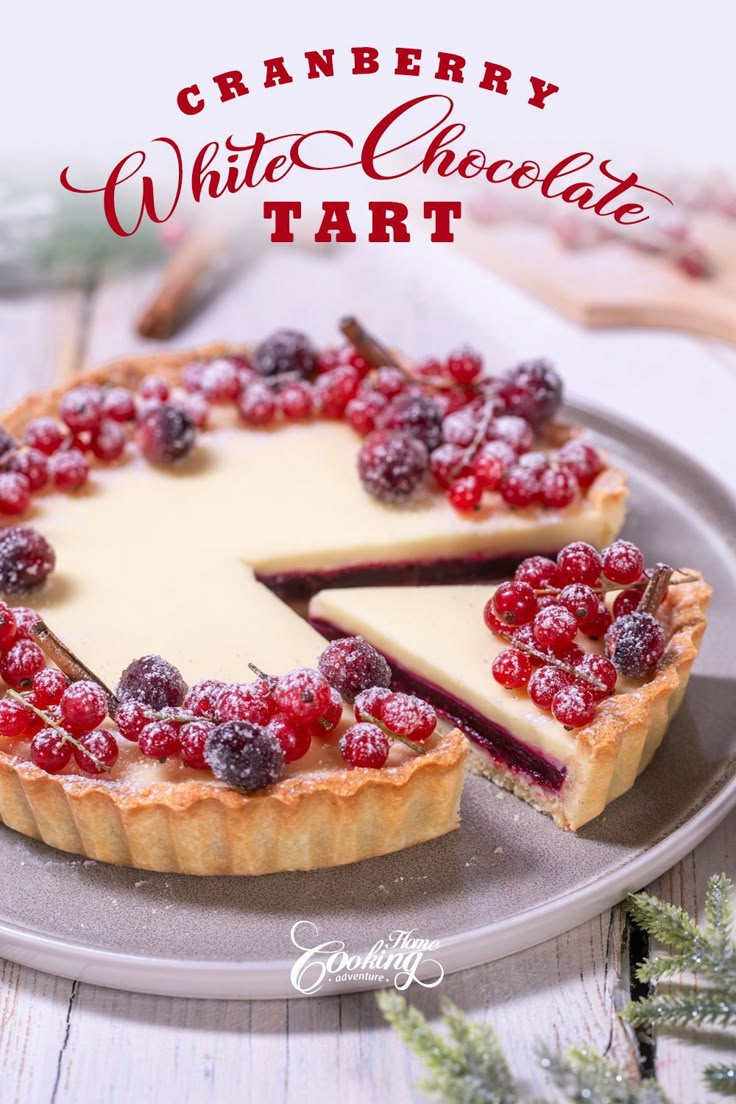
{"points": [[542, 610]]}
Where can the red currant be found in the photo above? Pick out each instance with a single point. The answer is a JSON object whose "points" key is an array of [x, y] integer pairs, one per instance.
{"points": [[295, 739], [582, 460], [154, 387], [14, 718], [460, 428], [364, 745], [626, 602], [33, 465], [81, 408], [69, 470], [369, 703], [574, 706], [220, 382], [257, 405], [519, 486], [192, 740], [158, 740], [602, 669], [465, 494], [597, 625], [19, 665], [25, 618], [447, 463], [118, 404], [515, 603], [45, 435], [512, 669], [50, 750], [409, 716], [390, 382], [296, 401], [196, 408], [84, 706], [581, 600], [538, 571], [15, 493], [491, 463], [579, 563], [49, 686], [333, 390], [108, 441], [545, 684], [302, 693], [131, 717], [364, 409], [8, 628], [512, 431], [554, 628], [100, 752], [557, 488], [253, 702], [331, 717], [494, 623], [202, 698], [464, 365], [622, 562]]}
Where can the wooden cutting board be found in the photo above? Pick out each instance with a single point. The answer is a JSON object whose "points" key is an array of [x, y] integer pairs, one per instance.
{"points": [[612, 284]]}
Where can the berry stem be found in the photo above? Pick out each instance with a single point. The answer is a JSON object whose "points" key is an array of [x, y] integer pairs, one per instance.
{"points": [[656, 589], [262, 674], [393, 735], [370, 348], [480, 435], [552, 661], [616, 588], [67, 662], [50, 723]]}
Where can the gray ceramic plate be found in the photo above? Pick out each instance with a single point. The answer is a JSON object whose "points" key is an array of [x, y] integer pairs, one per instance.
{"points": [[506, 880]]}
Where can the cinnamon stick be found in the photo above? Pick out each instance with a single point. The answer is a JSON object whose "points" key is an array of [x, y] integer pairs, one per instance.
{"points": [[67, 661], [369, 347], [180, 283]]}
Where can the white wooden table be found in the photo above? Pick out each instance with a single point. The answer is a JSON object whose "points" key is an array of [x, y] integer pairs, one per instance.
{"points": [[62, 1041]]}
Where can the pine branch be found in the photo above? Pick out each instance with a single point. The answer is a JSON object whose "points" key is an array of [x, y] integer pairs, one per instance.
{"points": [[721, 1079], [684, 1008], [472, 1071], [719, 911], [584, 1077]]}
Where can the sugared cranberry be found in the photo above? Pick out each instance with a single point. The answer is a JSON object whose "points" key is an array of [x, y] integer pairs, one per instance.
{"points": [[15, 493], [519, 486], [192, 741], [14, 718], [388, 381], [20, 663], [252, 702], [602, 669], [392, 465], [244, 755], [583, 460], [626, 602], [108, 442], [491, 462], [100, 752], [296, 401], [302, 693], [557, 488], [285, 351], [153, 681], [465, 493], [363, 410], [131, 717], [408, 716], [574, 706], [334, 389], [448, 463], [554, 627], [201, 699], [81, 408], [464, 365], [118, 404], [165, 435], [545, 684], [295, 739], [45, 435], [351, 665], [533, 390], [579, 563], [26, 559], [83, 706], [49, 686], [33, 465], [69, 470], [364, 745], [538, 571], [154, 387], [158, 740], [369, 703], [515, 603], [7, 441], [635, 644], [512, 431], [622, 562], [512, 669], [581, 600], [415, 414], [196, 407], [50, 751]]}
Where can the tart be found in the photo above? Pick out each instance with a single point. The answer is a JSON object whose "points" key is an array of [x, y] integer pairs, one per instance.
{"points": [[189, 557]]}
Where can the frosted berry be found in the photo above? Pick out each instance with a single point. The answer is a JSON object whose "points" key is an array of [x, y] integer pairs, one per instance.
{"points": [[45, 435], [69, 470], [26, 559], [33, 465], [84, 706], [81, 408], [582, 460], [352, 665], [464, 365], [392, 465], [364, 745], [153, 681], [20, 663], [49, 686], [165, 435], [295, 739], [408, 716], [50, 751], [515, 603], [512, 669], [554, 627], [626, 602], [8, 628], [533, 390], [14, 718], [257, 405], [108, 441], [597, 626], [328, 720], [461, 427], [158, 740], [302, 693], [581, 600], [447, 463], [369, 703], [196, 407], [416, 414], [519, 486], [131, 717], [154, 387], [574, 706], [491, 462], [245, 756], [220, 382], [25, 618], [538, 571], [192, 741], [285, 351], [15, 493], [201, 698], [296, 401], [388, 381], [579, 563], [118, 404], [634, 644], [465, 493], [333, 390], [602, 669], [100, 752], [622, 562], [512, 431], [363, 410], [492, 621], [546, 683], [252, 701], [557, 488]]}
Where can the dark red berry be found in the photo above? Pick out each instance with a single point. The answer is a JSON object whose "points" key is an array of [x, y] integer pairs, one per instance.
{"points": [[69, 470], [49, 686], [352, 665], [108, 442], [26, 559], [15, 493], [388, 381], [285, 351], [622, 562], [369, 703], [538, 571], [257, 405], [581, 600], [220, 382], [50, 750], [252, 702], [465, 493], [574, 706], [600, 668], [545, 684], [328, 720], [25, 618], [582, 460], [491, 463], [363, 410], [154, 387], [515, 603], [533, 390], [296, 401], [597, 625], [245, 756], [626, 602], [302, 693], [83, 706], [512, 431], [392, 465], [8, 628], [448, 463], [45, 435], [192, 741], [416, 414], [461, 427], [635, 644], [554, 628], [408, 716], [295, 739], [579, 563], [512, 669], [364, 745], [333, 390], [201, 699], [464, 365], [519, 486], [165, 435], [158, 740], [81, 408], [14, 718], [18, 666], [492, 622], [33, 465], [118, 404], [153, 681], [557, 488], [131, 717], [100, 752], [196, 407]]}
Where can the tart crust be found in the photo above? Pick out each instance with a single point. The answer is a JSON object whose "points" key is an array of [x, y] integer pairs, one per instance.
{"points": [[300, 823]]}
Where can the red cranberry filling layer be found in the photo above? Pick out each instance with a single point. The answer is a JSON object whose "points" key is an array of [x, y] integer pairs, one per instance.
{"points": [[496, 740]]}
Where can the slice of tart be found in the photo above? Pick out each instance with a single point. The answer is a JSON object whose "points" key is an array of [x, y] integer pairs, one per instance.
{"points": [[438, 646]]}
